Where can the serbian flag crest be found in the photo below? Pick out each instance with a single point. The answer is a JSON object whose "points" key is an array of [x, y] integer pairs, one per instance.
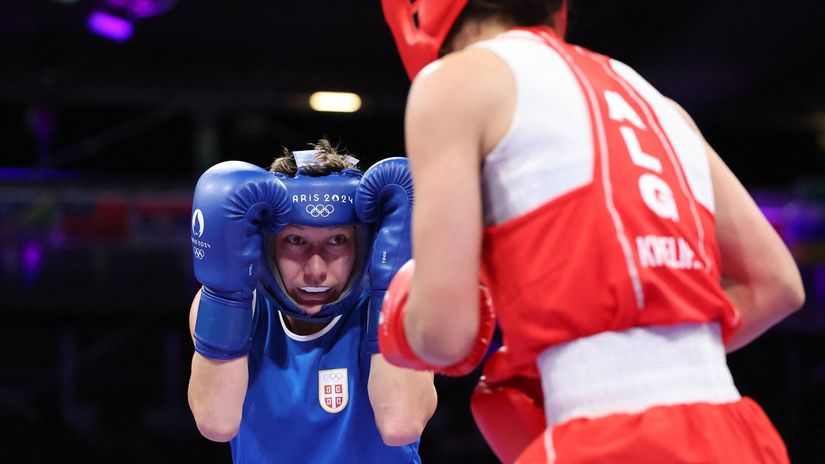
{"points": [[333, 389]]}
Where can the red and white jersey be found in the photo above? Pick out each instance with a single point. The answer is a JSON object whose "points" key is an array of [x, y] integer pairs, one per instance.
{"points": [[598, 203]]}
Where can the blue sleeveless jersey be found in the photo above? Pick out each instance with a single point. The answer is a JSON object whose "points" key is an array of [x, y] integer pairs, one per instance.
{"points": [[307, 399]]}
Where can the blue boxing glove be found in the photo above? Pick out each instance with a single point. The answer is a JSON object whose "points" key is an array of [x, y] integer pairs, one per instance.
{"points": [[385, 198], [234, 204]]}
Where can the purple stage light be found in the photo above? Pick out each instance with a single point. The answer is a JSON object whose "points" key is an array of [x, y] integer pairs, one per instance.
{"points": [[110, 26], [20, 175], [775, 207], [116, 19], [32, 257], [143, 8]]}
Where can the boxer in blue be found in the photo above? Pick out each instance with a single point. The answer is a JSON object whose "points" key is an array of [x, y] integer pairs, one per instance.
{"points": [[294, 265]]}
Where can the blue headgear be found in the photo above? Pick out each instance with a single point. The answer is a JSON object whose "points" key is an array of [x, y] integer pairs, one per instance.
{"points": [[323, 201]]}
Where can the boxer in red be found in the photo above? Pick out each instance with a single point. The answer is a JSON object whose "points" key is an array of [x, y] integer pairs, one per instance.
{"points": [[621, 255]]}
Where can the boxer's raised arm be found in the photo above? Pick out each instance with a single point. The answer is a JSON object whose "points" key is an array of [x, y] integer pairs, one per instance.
{"points": [[233, 204], [446, 156], [217, 388]]}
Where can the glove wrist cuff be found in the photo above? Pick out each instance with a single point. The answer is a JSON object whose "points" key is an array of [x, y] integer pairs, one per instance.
{"points": [[223, 329], [373, 315]]}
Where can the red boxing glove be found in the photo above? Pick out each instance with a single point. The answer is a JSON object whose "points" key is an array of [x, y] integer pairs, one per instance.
{"points": [[392, 339], [508, 409]]}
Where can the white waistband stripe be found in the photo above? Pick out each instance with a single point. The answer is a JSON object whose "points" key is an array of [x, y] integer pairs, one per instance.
{"points": [[632, 370]]}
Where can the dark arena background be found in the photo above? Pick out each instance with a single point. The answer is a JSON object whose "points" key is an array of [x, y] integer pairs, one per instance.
{"points": [[107, 122]]}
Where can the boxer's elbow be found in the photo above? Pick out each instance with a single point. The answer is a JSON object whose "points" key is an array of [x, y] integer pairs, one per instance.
{"points": [[788, 294], [794, 291], [214, 423], [217, 429], [780, 293], [399, 432]]}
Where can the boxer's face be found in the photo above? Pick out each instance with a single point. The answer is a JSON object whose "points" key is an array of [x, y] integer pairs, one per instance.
{"points": [[315, 263]]}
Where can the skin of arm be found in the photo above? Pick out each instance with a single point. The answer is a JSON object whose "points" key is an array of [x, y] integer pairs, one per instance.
{"points": [[216, 390], [457, 111], [758, 272], [402, 400]]}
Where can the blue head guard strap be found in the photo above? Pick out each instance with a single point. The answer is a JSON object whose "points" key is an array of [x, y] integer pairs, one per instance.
{"points": [[323, 201]]}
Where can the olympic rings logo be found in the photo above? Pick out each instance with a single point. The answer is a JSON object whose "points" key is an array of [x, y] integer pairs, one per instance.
{"points": [[333, 377], [320, 210], [198, 252]]}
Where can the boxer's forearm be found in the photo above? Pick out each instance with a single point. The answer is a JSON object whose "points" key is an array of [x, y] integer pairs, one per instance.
{"points": [[760, 307], [403, 400], [443, 317], [759, 273], [217, 389]]}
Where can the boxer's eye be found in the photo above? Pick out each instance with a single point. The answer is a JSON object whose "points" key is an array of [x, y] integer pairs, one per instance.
{"points": [[294, 239], [339, 239]]}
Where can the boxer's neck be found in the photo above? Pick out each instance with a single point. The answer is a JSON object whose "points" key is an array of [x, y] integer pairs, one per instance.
{"points": [[300, 327]]}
